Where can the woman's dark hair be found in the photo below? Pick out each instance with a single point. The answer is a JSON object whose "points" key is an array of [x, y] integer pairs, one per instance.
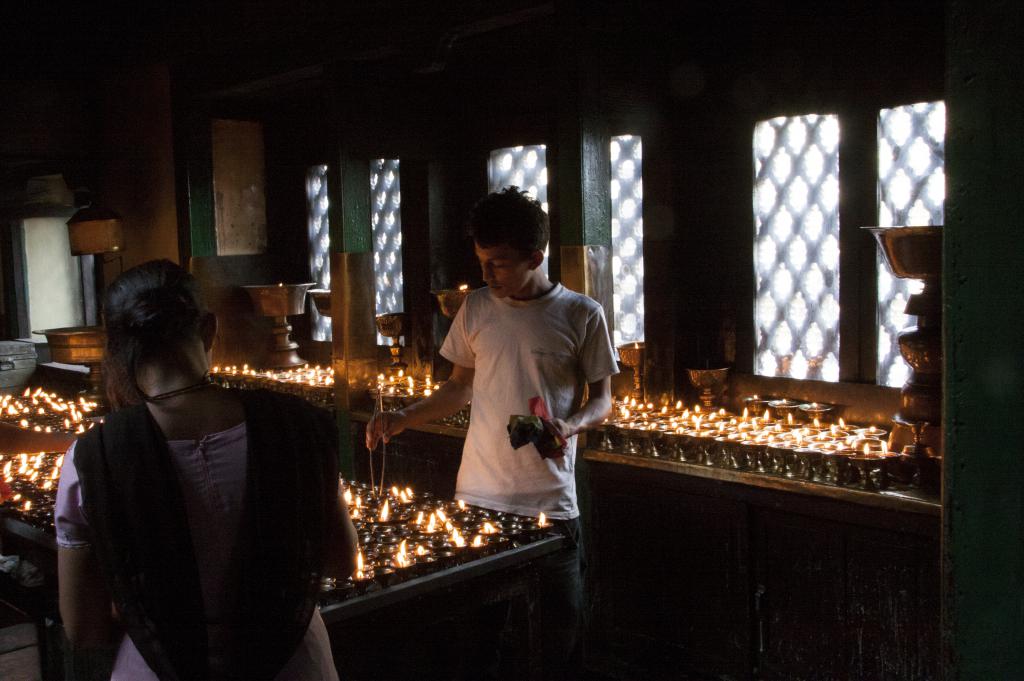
{"points": [[148, 312], [509, 217]]}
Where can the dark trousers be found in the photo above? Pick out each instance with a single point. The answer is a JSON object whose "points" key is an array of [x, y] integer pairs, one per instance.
{"points": [[561, 621], [562, 604]]}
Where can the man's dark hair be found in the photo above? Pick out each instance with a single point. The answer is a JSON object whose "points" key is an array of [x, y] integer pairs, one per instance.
{"points": [[509, 217]]}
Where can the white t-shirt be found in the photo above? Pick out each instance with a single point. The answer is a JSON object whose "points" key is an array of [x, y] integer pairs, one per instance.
{"points": [[550, 347]]}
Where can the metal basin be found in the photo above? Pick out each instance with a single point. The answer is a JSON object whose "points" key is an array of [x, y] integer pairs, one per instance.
{"points": [[279, 300], [911, 252]]}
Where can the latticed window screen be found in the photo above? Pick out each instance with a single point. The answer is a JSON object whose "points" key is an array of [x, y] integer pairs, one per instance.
{"points": [[386, 221], [911, 191], [796, 246], [524, 167], [627, 192], [319, 243]]}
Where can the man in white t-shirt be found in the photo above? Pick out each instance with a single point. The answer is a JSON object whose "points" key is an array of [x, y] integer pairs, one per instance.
{"points": [[520, 337]]}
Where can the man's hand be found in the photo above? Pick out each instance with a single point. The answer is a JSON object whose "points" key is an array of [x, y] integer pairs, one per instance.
{"points": [[384, 426], [564, 428]]}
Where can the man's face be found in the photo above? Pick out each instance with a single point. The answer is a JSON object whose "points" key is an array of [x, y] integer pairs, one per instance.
{"points": [[506, 270]]}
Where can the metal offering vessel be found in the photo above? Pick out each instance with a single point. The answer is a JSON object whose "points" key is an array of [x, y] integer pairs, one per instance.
{"points": [[280, 301]]}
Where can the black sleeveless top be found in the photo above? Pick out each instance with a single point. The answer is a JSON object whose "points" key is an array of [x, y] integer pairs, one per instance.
{"points": [[134, 503]]}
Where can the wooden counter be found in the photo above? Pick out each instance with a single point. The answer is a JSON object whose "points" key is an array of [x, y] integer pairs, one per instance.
{"points": [[746, 576], [893, 500]]}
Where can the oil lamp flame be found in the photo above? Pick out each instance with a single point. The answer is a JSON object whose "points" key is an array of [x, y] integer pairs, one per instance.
{"points": [[385, 512], [542, 520]]}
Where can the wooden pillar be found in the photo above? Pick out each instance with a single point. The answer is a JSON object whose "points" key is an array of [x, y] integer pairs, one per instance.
{"points": [[354, 344], [193, 161], [580, 195], [984, 342]]}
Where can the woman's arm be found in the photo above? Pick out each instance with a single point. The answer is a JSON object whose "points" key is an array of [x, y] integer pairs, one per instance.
{"points": [[84, 599]]}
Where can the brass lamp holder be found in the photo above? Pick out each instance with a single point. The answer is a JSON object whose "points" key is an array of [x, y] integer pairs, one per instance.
{"points": [[279, 301], [710, 382], [392, 325], [632, 355], [916, 253]]}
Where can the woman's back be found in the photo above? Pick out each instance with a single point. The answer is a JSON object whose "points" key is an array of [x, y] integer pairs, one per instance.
{"points": [[205, 515], [211, 472]]}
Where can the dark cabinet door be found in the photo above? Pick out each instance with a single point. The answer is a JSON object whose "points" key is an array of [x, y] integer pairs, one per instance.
{"points": [[670, 578], [798, 598], [835, 600], [893, 605]]}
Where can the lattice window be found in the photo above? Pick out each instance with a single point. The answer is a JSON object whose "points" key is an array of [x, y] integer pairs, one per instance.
{"points": [[627, 192], [386, 220], [911, 191], [525, 167], [796, 246], [319, 243]]}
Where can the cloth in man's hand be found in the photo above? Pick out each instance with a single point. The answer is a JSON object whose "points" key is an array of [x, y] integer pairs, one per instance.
{"points": [[538, 430]]}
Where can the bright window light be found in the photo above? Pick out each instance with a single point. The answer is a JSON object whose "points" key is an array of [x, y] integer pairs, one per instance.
{"points": [[911, 191], [386, 221], [627, 194], [796, 247], [319, 243]]}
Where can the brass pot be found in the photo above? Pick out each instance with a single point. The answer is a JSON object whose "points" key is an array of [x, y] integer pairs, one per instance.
{"points": [[322, 300], [279, 300], [451, 299], [76, 344]]}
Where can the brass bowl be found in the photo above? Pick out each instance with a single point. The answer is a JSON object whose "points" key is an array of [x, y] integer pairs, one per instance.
{"points": [[76, 344], [391, 325], [322, 300], [710, 382], [705, 379], [632, 354], [451, 299], [911, 252], [279, 300]]}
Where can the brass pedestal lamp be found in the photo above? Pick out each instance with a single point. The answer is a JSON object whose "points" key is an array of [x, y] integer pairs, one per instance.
{"points": [[280, 301], [710, 383], [632, 355], [916, 253], [392, 325]]}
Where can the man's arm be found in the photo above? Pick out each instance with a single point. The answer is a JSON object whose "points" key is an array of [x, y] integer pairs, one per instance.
{"points": [[593, 412], [448, 399]]}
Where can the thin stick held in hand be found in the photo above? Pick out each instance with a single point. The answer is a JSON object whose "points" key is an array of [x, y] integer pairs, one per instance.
{"points": [[379, 412]]}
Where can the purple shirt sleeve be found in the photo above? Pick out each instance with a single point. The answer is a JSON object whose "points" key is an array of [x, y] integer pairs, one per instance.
{"points": [[68, 517]]}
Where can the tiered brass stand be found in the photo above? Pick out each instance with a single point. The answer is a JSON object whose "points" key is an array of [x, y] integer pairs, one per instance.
{"points": [[632, 355], [392, 325], [916, 253], [279, 301]]}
